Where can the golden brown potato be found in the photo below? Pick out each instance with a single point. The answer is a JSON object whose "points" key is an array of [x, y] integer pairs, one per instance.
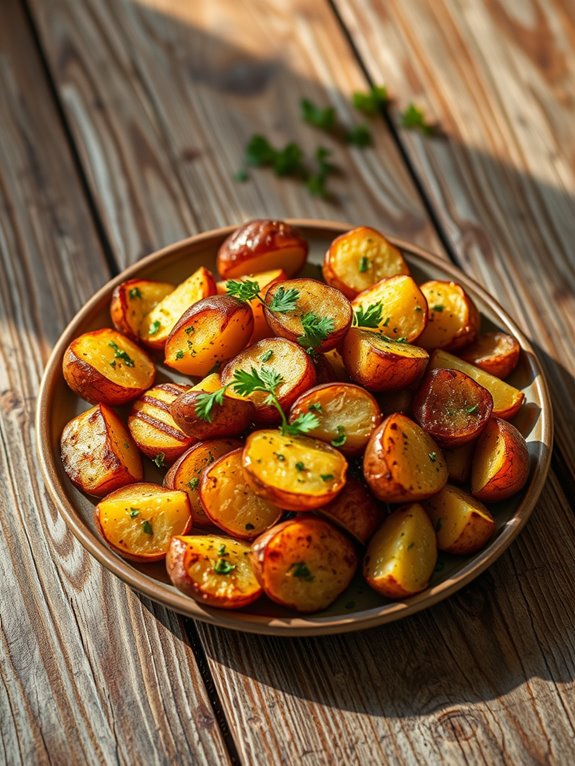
{"points": [[500, 465], [304, 564], [215, 571], [463, 525], [132, 300], [283, 357], [265, 280], [402, 554], [294, 472], [359, 258], [495, 352], [98, 452], [347, 415], [336, 362], [452, 407], [395, 307], [230, 418], [318, 317], [402, 463], [262, 245], [153, 428], [507, 400], [229, 501], [139, 521], [453, 318], [209, 333], [458, 460], [186, 473], [380, 364], [103, 366], [355, 510], [159, 322]]}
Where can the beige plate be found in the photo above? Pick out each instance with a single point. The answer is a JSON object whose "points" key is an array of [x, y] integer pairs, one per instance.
{"points": [[358, 607]]}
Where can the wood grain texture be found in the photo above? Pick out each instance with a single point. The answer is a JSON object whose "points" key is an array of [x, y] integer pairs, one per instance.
{"points": [[90, 673]]}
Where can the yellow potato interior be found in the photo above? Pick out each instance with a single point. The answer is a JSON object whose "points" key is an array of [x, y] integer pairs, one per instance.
{"points": [[451, 511], [489, 456], [289, 259], [209, 384], [362, 257], [448, 313], [371, 340], [123, 444], [141, 297], [116, 358], [414, 459], [404, 307], [220, 567]]}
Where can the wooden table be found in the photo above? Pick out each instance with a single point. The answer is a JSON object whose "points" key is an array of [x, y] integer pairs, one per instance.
{"points": [[122, 123]]}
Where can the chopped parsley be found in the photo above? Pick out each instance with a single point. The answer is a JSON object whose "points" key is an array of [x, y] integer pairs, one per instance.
{"points": [[323, 118], [280, 457], [471, 410], [315, 407], [222, 550], [359, 136], [135, 293], [147, 527], [120, 354], [134, 512], [369, 316], [194, 483], [154, 327], [179, 354], [340, 439], [363, 263], [414, 119], [160, 460], [301, 570], [327, 476], [284, 301], [432, 456], [223, 567], [438, 307], [249, 526], [266, 356], [371, 102], [299, 466]]}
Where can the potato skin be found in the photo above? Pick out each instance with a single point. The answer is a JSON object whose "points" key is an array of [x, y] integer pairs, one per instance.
{"points": [[496, 479], [463, 525], [355, 510], [132, 300], [231, 418], [453, 317], [262, 245], [265, 280], [495, 352], [458, 460]]}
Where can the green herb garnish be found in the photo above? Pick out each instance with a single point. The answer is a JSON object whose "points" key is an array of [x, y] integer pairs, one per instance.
{"points": [[299, 466], [179, 354], [134, 512], [340, 439], [224, 567], [437, 307], [414, 119], [194, 483], [206, 402], [265, 357], [284, 301], [316, 329], [371, 102], [120, 354], [323, 118], [471, 410], [369, 316], [302, 571], [241, 175], [315, 407], [245, 290], [359, 136], [280, 457], [135, 293], [432, 456], [160, 460], [327, 476], [147, 527], [363, 264], [155, 327]]}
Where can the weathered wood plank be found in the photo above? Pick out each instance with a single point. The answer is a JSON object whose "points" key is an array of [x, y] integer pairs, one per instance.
{"points": [[90, 674]]}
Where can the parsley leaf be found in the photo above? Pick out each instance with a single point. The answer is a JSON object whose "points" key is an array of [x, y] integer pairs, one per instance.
{"points": [[471, 410], [414, 119], [316, 183], [302, 571], [316, 116], [179, 354], [303, 424], [363, 264], [285, 162], [316, 329], [315, 407], [223, 566], [299, 466], [259, 152], [437, 307], [147, 527], [206, 402], [267, 355], [154, 328], [245, 290], [160, 460], [120, 354], [264, 379], [284, 301], [134, 512], [135, 293], [369, 316], [432, 456], [359, 136], [194, 483], [340, 439], [241, 175], [327, 476], [371, 102]]}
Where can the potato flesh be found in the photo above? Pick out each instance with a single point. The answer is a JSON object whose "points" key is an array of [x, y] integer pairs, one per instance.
{"points": [[201, 561], [491, 458], [455, 514], [449, 313], [97, 351], [140, 296], [152, 426], [404, 312], [421, 465], [495, 352], [288, 259], [264, 280]]}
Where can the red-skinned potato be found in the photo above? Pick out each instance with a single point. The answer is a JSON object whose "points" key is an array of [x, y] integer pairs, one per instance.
{"points": [[453, 317], [354, 510], [495, 352], [402, 463], [216, 571], [262, 245], [500, 466], [103, 366], [132, 300], [98, 453], [452, 407], [286, 359], [347, 415], [304, 564], [265, 280], [209, 333], [294, 472], [462, 523], [186, 473], [230, 418], [380, 364], [359, 258], [401, 308], [319, 318], [139, 521], [458, 460]]}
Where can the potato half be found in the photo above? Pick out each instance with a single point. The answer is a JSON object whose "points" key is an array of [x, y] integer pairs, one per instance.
{"points": [[132, 300], [402, 307], [462, 523], [265, 280], [500, 466], [495, 352], [453, 317], [355, 510]]}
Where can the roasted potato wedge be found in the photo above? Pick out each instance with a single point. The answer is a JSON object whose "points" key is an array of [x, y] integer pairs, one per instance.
{"points": [[304, 564], [265, 280], [462, 523], [98, 452], [453, 318], [103, 366], [294, 472], [215, 571], [495, 352], [458, 460], [209, 333], [139, 521], [186, 473], [507, 400], [395, 307], [452, 407], [381, 364], [500, 466], [132, 300], [402, 463], [230, 418], [402, 554], [153, 427], [283, 357], [347, 415], [229, 501], [318, 318], [359, 258], [159, 322], [354, 510]]}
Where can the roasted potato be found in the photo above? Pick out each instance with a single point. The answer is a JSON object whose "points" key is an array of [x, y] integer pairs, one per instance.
{"points": [[359, 258], [402, 463], [262, 245], [324, 371], [336, 362], [452, 407], [463, 524], [159, 322], [186, 473], [153, 428], [139, 521], [98, 452], [507, 400], [103, 366], [265, 280], [231, 417], [132, 300], [381, 364], [453, 318], [402, 554], [394, 307], [500, 464], [495, 352], [458, 460], [318, 317], [209, 333], [354, 510], [283, 357], [304, 564], [215, 571], [294, 472], [347, 415]]}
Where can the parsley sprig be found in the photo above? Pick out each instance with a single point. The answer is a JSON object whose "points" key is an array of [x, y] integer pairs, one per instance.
{"points": [[316, 329], [413, 118], [370, 316], [372, 102]]}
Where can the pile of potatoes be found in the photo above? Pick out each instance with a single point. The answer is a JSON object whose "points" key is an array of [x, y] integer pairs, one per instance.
{"points": [[410, 433]]}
